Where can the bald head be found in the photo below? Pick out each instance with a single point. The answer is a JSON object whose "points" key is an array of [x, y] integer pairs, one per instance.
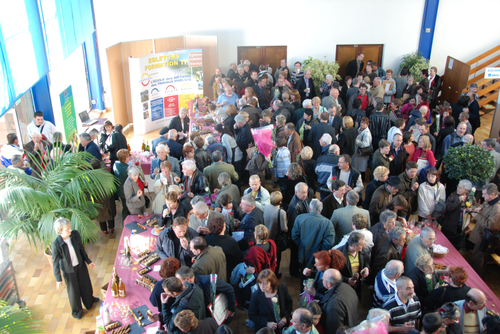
{"points": [[475, 299], [394, 269], [172, 134], [424, 110], [332, 277]]}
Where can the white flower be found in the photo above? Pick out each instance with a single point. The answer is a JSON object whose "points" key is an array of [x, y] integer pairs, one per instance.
{"points": [[274, 300]]}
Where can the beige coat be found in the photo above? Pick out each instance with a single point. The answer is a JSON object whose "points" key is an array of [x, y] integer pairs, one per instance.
{"points": [[488, 218]]}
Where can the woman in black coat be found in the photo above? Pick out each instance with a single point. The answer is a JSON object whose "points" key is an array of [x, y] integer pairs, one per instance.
{"points": [[424, 267], [107, 130], [347, 137], [380, 175], [172, 209], [75, 272], [262, 310], [458, 107]]}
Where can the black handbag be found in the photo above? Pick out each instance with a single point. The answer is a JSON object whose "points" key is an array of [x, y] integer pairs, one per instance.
{"points": [[365, 151], [490, 241], [281, 239], [148, 201]]}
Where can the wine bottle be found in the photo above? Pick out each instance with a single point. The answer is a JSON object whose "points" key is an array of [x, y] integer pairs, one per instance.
{"points": [[114, 289], [121, 289], [143, 147]]}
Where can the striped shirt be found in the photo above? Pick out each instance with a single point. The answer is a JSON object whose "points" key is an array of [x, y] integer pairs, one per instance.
{"points": [[402, 313], [383, 289]]}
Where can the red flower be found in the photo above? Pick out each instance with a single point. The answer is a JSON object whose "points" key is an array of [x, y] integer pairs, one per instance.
{"points": [[392, 156], [442, 277], [230, 213], [137, 163], [333, 178], [298, 151]]}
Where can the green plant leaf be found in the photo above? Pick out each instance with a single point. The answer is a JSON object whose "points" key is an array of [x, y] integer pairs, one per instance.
{"points": [[15, 320]]}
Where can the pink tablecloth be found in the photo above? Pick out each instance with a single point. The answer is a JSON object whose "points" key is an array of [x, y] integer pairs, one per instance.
{"points": [[145, 162], [136, 294], [454, 258]]}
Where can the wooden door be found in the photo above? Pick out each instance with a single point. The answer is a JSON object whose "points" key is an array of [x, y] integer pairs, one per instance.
{"points": [[263, 55], [455, 78], [346, 53]]}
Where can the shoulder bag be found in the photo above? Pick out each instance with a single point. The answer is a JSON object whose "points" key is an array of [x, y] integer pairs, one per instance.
{"points": [[281, 239]]}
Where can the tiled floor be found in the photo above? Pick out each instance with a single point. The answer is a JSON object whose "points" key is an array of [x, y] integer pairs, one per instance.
{"points": [[38, 287]]}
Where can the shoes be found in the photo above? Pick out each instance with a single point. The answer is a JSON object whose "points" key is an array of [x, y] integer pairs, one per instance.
{"points": [[95, 300], [105, 232], [112, 231], [79, 316]]}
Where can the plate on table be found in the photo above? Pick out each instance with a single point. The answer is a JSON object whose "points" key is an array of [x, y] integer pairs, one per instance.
{"points": [[133, 226], [153, 232], [143, 309]]}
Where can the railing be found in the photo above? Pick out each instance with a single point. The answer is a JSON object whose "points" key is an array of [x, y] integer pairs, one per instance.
{"points": [[488, 88]]}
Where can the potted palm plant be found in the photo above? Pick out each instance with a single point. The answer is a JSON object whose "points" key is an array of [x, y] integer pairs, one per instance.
{"points": [[17, 320], [67, 187]]}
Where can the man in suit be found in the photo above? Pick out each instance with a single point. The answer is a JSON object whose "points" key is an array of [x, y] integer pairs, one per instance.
{"points": [[175, 147], [339, 304], [342, 217], [218, 71], [294, 143], [213, 171], [317, 132], [90, 146], [181, 124], [355, 66], [253, 217], [298, 205], [335, 200], [335, 121], [198, 221], [305, 86], [262, 92], [334, 100], [278, 109]]}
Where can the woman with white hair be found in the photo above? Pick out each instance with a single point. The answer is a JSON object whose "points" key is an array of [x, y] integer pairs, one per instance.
{"points": [[133, 189], [326, 86], [70, 257], [453, 218], [193, 181]]}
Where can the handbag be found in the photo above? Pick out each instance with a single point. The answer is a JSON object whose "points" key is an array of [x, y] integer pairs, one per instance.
{"points": [[282, 241], [365, 151], [148, 201], [490, 241]]}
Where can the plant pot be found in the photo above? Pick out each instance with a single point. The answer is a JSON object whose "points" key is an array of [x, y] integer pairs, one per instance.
{"points": [[48, 253]]}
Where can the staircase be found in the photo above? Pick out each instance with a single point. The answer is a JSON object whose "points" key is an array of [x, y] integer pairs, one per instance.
{"points": [[487, 88]]}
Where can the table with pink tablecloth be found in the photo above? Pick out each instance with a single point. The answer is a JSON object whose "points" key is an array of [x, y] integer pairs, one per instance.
{"points": [[454, 258], [145, 162], [136, 294]]}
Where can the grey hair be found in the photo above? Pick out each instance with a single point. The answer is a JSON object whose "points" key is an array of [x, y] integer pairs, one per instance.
{"points": [[316, 206], [394, 268], [396, 232], [352, 197], [85, 136], [490, 142], [60, 223], [491, 188], [468, 138], [132, 170], [334, 148], [402, 280], [240, 67], [201, 207], [410, 77], [300, 185], [280, 119], [57, 137], [422, 260], [426, 231], [386, 215], [190, 164], [307, 102], [93, 132], [209, 139], [473, 85], [377, 79], [327, 138], [240, 119], [161, 147], [249, 200], [466, 184], [355, 238], [197, 199], [329, 76], [16, 158], [307, 71], [224, 179]]}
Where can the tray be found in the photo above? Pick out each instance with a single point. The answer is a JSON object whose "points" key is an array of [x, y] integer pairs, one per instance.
{"points": [[143, 310], [133, 226], [136, 329]]}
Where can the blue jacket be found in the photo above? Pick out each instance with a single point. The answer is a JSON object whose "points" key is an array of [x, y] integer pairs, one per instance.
{"points": [[312, 233], [155, 163], [93, 149], [323, 170], [252, 219]]}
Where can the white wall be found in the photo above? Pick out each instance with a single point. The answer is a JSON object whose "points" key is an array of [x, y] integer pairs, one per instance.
{"points": [[71, 71], [464, 30], [308, 28]]}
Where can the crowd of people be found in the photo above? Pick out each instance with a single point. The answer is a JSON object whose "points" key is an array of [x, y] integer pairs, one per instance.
{"points": [[350, 166]]}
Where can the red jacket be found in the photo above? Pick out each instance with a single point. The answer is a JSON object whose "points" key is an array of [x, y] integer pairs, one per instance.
{"points": [[261, 259]]}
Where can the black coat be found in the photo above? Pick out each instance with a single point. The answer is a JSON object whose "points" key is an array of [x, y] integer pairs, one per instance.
{"points": [[176, 123], [340, 307], [175, 149], [437, 297], [398, 166], [60, 254], [190, 299], [203, 158], [182, 211], [263, 95], [330, 204], [118, 141], [166, 246], [316, 133], [260, 312], [301, 85], [198, 184], [379, 125], [295, 208], [383, 253], [229, 124], [369, 190], [418, 278], [248, 223], [243, 138], [229, 247], [254, 115], [352, 68], [347, 141]]}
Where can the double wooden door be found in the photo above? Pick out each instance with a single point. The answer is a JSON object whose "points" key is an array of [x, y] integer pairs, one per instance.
{"points": [[345, 53], [262, 55]]}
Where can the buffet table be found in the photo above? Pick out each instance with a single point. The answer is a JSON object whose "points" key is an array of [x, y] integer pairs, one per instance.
{"points": [[136, 295], [454, 258]]}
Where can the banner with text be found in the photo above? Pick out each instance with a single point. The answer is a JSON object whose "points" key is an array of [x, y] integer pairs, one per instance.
{"points": [[68, 115], [161, 84]]}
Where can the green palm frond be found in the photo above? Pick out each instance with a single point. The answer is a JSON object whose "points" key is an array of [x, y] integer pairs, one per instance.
{"points": [[68, 187], [15, 320]]}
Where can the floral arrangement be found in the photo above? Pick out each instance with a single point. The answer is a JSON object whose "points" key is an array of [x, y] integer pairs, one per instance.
{"points": [[320, 69]]}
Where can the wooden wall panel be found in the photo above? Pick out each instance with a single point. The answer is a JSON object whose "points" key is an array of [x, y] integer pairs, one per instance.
{"points": [[135, 49], [210, 60], [117, 84], [169, 44]]}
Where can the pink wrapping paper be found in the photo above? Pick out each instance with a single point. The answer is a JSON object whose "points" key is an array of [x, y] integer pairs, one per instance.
{"points": [[263, 139]]}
